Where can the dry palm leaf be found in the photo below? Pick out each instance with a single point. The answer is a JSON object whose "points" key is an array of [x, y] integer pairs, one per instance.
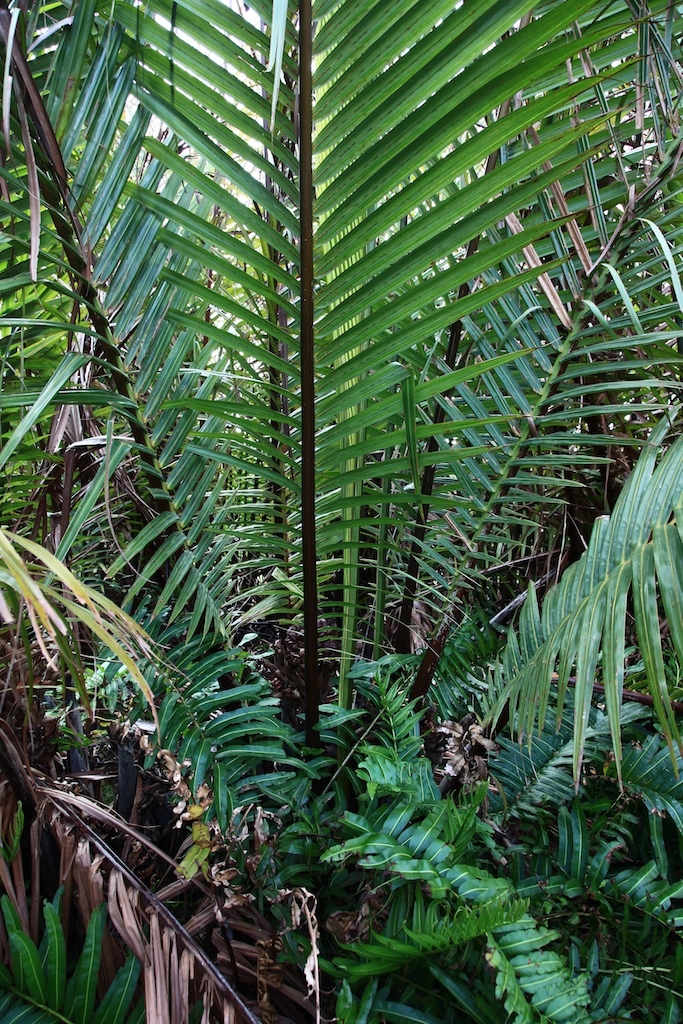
{"points": [[169, 956], [177, 973]]}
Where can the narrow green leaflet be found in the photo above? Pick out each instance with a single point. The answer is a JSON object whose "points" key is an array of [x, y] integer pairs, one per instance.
{"points": [[81, 989]]}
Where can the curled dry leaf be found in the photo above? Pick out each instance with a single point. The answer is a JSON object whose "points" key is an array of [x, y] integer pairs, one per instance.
{"points": [[348, 927], [174, 771], [303, 906], [262, 832], [460, 752]]}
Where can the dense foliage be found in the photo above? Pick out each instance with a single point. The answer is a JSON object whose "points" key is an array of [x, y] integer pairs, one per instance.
{"points": [[340, 369]]}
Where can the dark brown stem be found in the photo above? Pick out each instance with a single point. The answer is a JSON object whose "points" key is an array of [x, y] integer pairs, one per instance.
{"points": [[640, 698]]}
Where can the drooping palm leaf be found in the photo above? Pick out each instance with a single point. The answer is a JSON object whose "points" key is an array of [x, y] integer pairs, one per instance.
{"points": [[48, 595], [581, 630]]}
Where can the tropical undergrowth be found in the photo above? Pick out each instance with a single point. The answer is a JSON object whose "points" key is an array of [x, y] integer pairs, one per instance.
{"points": [[448, 856], [294, 467], [393, 874], [411, 865], [517, 897]]}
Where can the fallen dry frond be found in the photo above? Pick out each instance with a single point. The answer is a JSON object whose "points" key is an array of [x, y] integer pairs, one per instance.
{"points": [[304, 908], [177, 974], [132, 907]]}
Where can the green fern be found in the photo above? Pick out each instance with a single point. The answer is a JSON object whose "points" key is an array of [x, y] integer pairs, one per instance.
{"points": [[436, 932], [525, 970], [460, 680], [222, 718], [392, 763], [592, 873], [647, 771], [539, 771]]}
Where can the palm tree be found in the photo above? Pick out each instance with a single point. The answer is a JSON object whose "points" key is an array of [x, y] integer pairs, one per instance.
{"points": [[355, 313], [340, 340]]}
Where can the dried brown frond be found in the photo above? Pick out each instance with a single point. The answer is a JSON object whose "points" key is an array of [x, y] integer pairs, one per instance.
{"points": [[247, 949], [304, 908], [355, 926], [58, 847], [459, 752], [164, 947]]}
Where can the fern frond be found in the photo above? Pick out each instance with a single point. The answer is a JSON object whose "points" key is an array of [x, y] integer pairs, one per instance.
{"points": [[647, 771], [533, 982], [539, 771], [220, 715], [440, 934]]}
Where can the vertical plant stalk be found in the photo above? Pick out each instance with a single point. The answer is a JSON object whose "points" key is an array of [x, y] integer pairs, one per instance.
{"points": [[350, 559], [308, 525], [402, 638]]}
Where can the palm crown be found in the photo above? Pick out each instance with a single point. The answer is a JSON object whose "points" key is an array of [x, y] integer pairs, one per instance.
{"points": [[337, 344]]}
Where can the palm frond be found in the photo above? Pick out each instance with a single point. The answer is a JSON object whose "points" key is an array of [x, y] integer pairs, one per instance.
{"points": [[453, 230], [44, 592], [632, 551]]}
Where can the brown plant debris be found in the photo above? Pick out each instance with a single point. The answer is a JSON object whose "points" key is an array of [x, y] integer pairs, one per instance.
{"points": [[459, 752]]}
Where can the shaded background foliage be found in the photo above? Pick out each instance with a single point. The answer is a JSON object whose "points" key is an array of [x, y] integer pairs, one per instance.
{"points": [[326, 370]]}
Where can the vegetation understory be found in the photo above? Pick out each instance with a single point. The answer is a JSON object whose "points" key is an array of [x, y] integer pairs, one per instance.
{"points": [[341, 519]]}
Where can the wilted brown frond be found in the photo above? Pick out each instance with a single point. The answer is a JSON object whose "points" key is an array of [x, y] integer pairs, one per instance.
{"points": [[54, 601], [177, 972], [61, 849], [459, 752], [248, 950]]}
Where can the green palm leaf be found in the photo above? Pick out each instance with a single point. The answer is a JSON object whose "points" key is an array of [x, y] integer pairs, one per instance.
{"points": [[455, 387], [81, 989], [584, 615], [119, 996], [53, 950]]}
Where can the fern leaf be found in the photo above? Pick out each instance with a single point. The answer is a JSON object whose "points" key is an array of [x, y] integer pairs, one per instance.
{"points": [[539, 771], [647, 771], [440, 937], [526, 969]]}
